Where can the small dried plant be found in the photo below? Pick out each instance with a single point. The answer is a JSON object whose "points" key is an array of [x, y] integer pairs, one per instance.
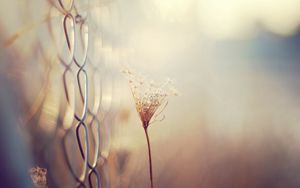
{"points": [[150, 101], [38, 176]]}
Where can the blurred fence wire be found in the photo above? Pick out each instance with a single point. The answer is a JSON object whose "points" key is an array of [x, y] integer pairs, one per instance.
{"points": [[66, 116], [89, 166]]}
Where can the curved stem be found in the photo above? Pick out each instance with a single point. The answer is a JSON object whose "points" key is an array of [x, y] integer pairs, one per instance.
{"points": [[149, 153]]}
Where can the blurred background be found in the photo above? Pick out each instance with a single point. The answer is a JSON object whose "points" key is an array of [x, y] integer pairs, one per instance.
{"points": [[235, 63]]}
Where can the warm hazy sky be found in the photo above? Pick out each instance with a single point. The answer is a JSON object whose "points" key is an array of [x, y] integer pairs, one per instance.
{"points": [[235, 63]]}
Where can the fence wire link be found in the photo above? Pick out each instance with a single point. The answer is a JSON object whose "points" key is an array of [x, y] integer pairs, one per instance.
{"points": [[78, 114], [69, 120]]}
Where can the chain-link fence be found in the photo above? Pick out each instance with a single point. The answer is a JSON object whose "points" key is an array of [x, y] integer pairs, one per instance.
{"points": [[68, 86]]}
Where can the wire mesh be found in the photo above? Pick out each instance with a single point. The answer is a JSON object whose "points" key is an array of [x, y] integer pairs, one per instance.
{"points": [[66, 118], [77, 40]]}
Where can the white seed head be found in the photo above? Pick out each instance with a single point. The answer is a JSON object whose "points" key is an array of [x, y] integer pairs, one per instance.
{"points": [[148, 95]]}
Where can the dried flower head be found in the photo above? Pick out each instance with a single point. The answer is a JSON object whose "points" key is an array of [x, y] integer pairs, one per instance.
{"points": [[38, 176], [149, 96]]}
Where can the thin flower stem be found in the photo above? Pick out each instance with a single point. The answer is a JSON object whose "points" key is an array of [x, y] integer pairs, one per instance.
{"points": [[149, 153]]}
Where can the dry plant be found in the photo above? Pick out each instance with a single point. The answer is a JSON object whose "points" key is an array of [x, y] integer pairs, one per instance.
{"points": [[38, 176], [150, 101]]}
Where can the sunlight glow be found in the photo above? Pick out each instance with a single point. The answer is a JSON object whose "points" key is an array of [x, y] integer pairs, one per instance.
{"points": [[173, 10], [233, 18]]}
